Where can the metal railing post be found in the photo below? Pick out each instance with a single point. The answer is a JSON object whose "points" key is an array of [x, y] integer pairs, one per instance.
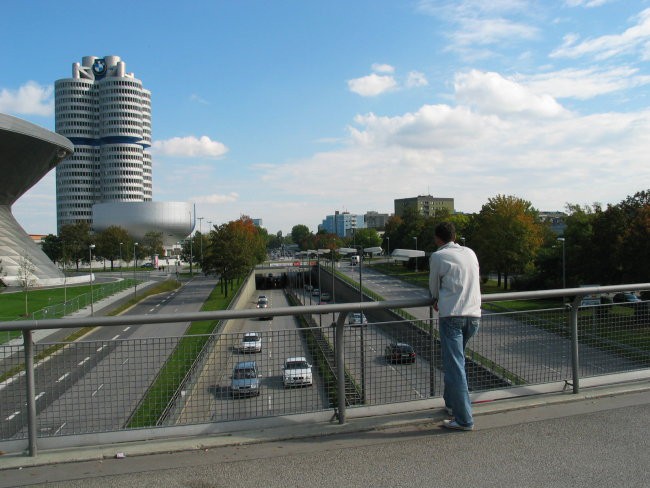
{"points": [[575, 361], [432, 362], [340, 365], [30, 391]]}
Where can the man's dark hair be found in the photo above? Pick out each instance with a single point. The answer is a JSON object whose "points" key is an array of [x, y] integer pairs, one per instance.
{"points": [[446, 232]]}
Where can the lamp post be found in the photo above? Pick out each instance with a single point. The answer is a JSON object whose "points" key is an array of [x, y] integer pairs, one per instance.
{"points": [[120, 259], [200, 219], [90, 263], [388, 248], [561, 239], [416, 258], [135, 265]]}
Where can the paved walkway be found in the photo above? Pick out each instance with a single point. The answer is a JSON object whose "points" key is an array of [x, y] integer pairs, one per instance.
{"points": [[597, 438]]}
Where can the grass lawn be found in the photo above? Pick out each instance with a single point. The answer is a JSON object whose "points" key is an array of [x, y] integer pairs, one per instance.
{"points": [[12, 305]]}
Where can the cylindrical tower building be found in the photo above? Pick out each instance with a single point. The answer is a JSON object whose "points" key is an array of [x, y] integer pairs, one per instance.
{"points": [[106, 113]]}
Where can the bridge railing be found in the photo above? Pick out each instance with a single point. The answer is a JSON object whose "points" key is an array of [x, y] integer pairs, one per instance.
{"points": [[138, 388]]}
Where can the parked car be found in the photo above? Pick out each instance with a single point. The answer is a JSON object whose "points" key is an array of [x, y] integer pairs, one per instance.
{"points": [[357, 318], [399, 352], [626, 297], [251, 342], [296, 372], [315, 292], [147, 265], [245, 379], [324, 296]]}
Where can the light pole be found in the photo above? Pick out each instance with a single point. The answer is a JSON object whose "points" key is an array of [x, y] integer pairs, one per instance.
{"points": [[90, 263], [200, 219], [561, 239], [135, 265], [388, 248], [120, 259], [416, 258]]}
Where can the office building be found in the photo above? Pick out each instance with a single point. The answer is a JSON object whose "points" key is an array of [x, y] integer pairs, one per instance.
{"points": [[426, 205], [342, 223], [106, 114]]}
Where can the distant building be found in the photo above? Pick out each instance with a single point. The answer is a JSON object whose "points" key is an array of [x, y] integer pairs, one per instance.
{"points": [[375, 220], [556, 220], [257, 222], [342, 223], [427, 205]]}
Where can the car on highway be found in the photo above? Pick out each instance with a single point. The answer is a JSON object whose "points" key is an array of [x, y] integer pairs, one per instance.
{"points": [[251, 342], [357, 318], [324, 296], [245, 379], [264, 304], [296, 372], [626, 297], [399, 352], [315, 292], [262, 299]]}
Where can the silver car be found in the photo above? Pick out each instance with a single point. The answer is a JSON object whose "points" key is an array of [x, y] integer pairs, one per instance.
{"points": [[245, 379]]}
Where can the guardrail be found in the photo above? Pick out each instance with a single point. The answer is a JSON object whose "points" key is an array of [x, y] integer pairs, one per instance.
{"points": [[547, 338]]}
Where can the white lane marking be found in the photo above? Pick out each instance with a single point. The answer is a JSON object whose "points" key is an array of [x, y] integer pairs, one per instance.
{"points": [[152, 309], [97, 390], [124, 330], [59, 429], [157, 305], [63, 377], [12, 415], [84, 361], [100, 348], [118, 335], [6, 383], [125, 361], [270, 402], [39, 395]]}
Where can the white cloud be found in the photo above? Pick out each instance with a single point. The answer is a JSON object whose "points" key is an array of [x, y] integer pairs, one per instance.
{"points": [[29, 99], [198, 99], [229, 198], [584, 84], [189, 147], [491, 93], [372, 85], [634, 38], [416, 79], [586, 3], [476, 32], [383, 68]]}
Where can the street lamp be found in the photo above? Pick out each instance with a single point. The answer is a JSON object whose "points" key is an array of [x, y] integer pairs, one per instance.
{"points": [[135, 265], [90, 263], [200, 219], [561, 239], [120, 259], [416, 258], [388, 248]]}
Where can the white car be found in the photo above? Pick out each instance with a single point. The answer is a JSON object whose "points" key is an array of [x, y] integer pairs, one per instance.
{"points": [[251, 342], [296, 372], [357, 318]]}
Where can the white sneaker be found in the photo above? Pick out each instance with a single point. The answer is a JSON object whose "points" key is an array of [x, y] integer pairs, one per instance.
{"points": [[453, 425]]}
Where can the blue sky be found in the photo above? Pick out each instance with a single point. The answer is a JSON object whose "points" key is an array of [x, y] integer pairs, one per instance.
{"points": [[290, 110]]}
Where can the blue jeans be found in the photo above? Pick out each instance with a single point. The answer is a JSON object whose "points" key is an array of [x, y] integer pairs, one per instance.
{"points": [[455, 332]]}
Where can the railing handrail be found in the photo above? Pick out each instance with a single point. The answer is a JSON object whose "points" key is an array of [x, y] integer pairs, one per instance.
{"points": [[305, 309]]}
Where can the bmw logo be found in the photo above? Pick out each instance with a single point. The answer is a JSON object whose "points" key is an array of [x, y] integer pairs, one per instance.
{"points": [[99, 67]]}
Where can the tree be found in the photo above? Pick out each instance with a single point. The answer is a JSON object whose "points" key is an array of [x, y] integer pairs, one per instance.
{"points": [[51, 246], [108, 243], [299, 234], [75, 239], [26, 278], [367, 238], [152, 244], [508, 235]]}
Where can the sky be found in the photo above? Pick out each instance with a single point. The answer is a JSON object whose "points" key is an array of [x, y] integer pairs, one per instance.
{"points": [[288, 110]]}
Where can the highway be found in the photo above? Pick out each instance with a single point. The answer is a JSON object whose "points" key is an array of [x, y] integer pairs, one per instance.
{"points": [[94, 384]]}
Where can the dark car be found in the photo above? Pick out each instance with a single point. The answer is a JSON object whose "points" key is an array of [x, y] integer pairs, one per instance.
{"points": [[400, 352], [626, 297]]}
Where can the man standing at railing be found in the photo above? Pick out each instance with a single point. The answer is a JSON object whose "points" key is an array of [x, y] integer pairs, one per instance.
{"points": [[454, 283]]}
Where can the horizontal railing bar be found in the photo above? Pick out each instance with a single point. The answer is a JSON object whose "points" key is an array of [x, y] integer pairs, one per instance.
{"points": [[305, 309]]}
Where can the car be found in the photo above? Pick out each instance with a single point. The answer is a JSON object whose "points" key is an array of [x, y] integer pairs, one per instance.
{"points": [[296, 372], [147, 265], [324, 296], [357, 318], [626, 297], [251, 342], [245, 379], [262, 298], [399, 352], [315, 292]]}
